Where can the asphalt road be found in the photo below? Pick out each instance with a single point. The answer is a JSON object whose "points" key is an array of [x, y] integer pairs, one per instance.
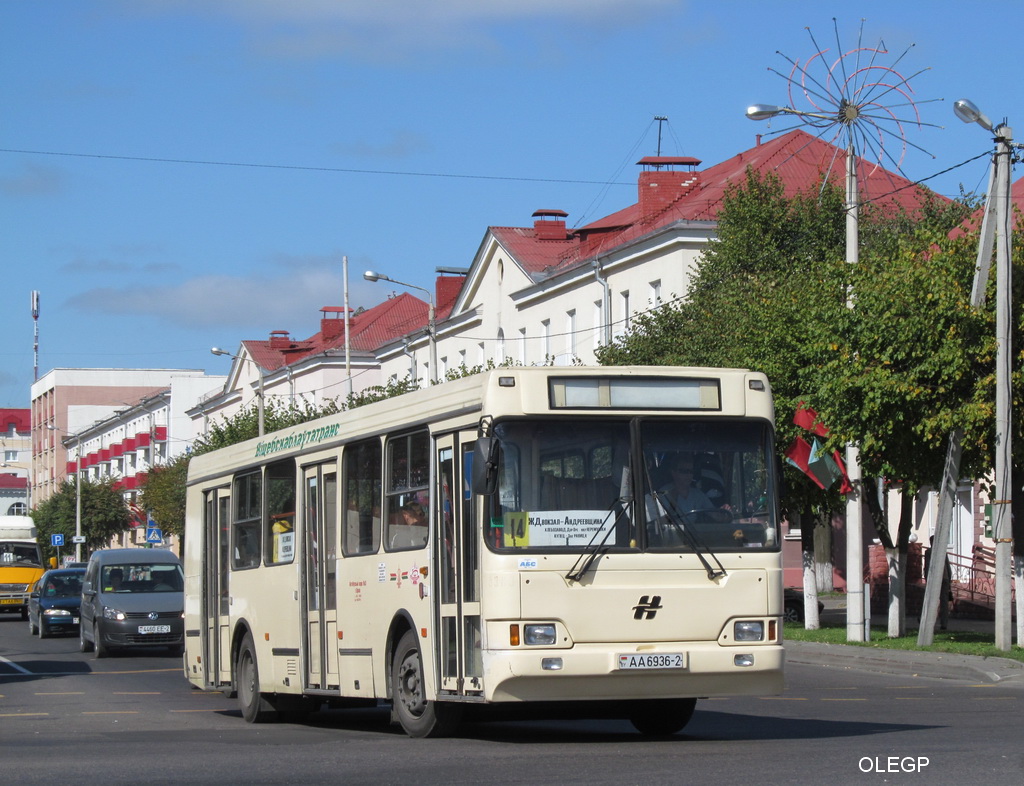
{"points": [[66, 717]]}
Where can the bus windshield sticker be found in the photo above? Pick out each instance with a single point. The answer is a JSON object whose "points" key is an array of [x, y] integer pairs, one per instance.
{"points": [[541, 528]]}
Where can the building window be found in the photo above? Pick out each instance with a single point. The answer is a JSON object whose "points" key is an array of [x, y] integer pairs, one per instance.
{"points": [[17, 509], [656, 293], [626, 315], [545, 339], [522, 346], [598, 323], [10, 455]]}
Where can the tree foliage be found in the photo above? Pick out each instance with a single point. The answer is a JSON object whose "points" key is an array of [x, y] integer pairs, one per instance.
{"points": [[104, 514], [888, 351], [163, 495]]}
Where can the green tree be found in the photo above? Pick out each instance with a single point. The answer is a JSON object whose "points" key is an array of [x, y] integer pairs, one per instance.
{"points": [[104, 514], [893, 373], [163, 495]]}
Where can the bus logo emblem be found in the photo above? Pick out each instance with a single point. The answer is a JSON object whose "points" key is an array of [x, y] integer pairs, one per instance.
{"points": [[647, 607]]}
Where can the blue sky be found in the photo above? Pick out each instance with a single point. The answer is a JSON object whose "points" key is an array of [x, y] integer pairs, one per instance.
{"points": [[180, 174]]}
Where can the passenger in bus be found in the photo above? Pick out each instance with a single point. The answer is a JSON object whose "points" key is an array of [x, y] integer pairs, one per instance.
{"points": [[413, 514]]}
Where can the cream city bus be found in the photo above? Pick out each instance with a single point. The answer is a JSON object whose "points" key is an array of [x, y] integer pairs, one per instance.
{"points": [[594, 542]]}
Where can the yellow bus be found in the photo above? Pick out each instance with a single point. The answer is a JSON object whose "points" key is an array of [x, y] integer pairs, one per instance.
{"points": [[21, 563], [595, 542]]}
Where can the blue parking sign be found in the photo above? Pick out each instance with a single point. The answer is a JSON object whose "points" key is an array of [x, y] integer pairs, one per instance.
{"points": [[57, 539]]}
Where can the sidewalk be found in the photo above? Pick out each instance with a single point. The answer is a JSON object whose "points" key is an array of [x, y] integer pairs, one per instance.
{"points": [[915, 663]]}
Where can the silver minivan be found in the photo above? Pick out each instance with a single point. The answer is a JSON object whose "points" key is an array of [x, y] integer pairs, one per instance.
{"points": [[132, 598]]}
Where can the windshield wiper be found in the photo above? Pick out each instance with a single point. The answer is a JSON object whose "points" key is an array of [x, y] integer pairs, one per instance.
{"points": [[596, 549], [675, 517]]}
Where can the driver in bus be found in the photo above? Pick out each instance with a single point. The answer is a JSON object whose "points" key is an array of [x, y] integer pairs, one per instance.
{"points": [[683, 501], [680, 492]]}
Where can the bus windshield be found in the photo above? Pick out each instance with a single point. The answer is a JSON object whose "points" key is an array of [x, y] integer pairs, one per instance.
{"points": [[564, 485], [19, 554]]}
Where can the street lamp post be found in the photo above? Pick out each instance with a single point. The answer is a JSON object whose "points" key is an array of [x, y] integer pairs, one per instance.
{"points": [[857, 619], [259, 392], [1000, 196], [371, 275]]}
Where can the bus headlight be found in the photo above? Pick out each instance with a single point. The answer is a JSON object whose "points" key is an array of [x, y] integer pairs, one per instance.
{"points": [[748, 630], [539, 635]]}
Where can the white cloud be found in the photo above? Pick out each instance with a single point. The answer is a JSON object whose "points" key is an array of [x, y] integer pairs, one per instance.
{"points": [[395, 29], [288, 298], [33, 180]]}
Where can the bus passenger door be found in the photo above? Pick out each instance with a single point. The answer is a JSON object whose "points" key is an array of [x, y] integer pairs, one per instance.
{"points": [[320, 607], [456, 545], [216, 577]]}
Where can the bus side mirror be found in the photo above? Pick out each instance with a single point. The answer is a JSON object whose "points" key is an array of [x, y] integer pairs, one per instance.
{"points": [[485, 466], [53, 562]]}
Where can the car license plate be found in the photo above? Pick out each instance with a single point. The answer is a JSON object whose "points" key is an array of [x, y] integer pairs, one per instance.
{"points": [[154, 628], [652, 660], [74, 621], [10, 600]]}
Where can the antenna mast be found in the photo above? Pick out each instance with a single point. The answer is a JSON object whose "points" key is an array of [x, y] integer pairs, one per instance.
{"points": [[35, 340]]}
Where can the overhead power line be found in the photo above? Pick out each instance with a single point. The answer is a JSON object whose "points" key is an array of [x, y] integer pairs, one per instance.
{"points": [[246, 164]]}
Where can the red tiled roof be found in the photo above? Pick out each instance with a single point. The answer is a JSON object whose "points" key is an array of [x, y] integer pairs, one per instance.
{"points": [[368, 330], [21, 418], [973, 224], [12, 481], [799, 159]]}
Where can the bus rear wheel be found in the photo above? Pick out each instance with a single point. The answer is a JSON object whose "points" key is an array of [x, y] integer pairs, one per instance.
{"points": [[662, 718], [418, 716], [255, 707]]}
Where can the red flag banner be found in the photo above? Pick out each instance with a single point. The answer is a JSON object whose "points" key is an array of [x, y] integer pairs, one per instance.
{"points": [[799, 455], [807, 418]]}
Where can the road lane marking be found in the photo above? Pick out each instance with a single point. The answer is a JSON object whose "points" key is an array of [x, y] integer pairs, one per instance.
{"points": [[24, 714], [136, 693], [824, 699], [63, 693], [112, 712], [208, 709]]}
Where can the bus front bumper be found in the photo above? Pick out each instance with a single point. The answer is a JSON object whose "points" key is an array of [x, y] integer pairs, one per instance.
{"points": [[593, 672]]}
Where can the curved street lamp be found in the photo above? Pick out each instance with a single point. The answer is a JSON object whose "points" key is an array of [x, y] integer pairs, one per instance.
{"points": [[259, 394], [998, 201], [371, 275]]}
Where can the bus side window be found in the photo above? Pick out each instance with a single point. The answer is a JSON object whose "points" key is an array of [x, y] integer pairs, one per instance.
{"points": [[279, 524], [362, 487], [408, 496], [245, 533]]}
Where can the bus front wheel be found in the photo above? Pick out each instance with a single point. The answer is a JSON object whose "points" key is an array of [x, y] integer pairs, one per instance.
{"points": [[662, 718], [255, 708], [418, 716]]}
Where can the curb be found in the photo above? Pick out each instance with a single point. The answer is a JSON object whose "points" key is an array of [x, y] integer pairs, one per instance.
{"points": [[915, 663]]}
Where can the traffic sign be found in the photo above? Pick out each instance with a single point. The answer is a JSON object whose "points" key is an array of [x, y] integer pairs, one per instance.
{"points": [[154, 535], [57, 539], [78, 539]]}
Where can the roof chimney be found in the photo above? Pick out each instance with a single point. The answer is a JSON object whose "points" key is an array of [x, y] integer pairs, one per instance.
{"points": [[279, 339], [332, 327], [549, 224], [661, 184]]}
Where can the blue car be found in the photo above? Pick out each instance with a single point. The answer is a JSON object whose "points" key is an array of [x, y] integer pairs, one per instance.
{"points": [[53, 606]]}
